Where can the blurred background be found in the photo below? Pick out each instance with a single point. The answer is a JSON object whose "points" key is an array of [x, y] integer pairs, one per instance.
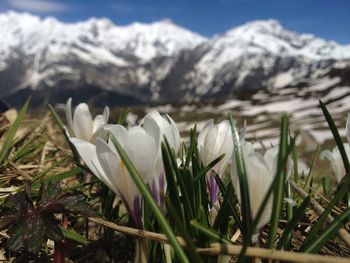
{"points": [[192, 59]]}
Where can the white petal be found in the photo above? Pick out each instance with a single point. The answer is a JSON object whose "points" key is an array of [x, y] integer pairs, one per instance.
{"points": [[87, 152], [204, 131], [106, 115], [209, 150], [336, 162], [83, 124], [101, 132], [247, 147], [109, 162], [117, 174], [166, 126], [98, 122], [176, 134], [348, 128], [259, 181], [119, 132], [271, 159], [142, 151], [155, 115], [303, 168], [152, 127], [68, 110], [225, 139]]}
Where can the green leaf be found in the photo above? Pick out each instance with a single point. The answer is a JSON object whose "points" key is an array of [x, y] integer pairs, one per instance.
{"points": [[34, 237], [17, 234], [71, 234], [52, 230], [74, 202], [12, 132]]}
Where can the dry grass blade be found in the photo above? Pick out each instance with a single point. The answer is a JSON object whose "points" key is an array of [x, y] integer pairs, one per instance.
{"points": [[221, 249]]}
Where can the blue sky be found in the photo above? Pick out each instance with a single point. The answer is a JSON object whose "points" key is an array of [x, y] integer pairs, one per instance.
{"points": [[328, 19]]}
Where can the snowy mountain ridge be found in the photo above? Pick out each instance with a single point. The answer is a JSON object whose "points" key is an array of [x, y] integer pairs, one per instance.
{"points": [[153, 62]]}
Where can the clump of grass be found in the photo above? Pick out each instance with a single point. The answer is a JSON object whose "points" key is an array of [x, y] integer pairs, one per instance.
{"points": [[307, 216]]}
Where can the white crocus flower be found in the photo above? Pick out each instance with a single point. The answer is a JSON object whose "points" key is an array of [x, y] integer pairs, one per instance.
{"points": [[104, 161], [336, 160], [167, 128], [260, 173], [334, 156], [81, 124], [161, 127], [214, 141]]}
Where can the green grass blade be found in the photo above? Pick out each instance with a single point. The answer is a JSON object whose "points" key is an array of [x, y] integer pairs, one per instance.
{"points": [[316, 228], [185, 197], [122, 117], [326, 186], [12, 132], [57, 177], [208, 168], [215, 236], [244, 189], [297, 216], [62, 127], [152, 204], [336, 136], [289, 215], [309, 177], [295, 164], [327, 233], [243, 183], [193, 146], [172, 188], [279, 190], [29, 148], [231, 201], [182, 229]]}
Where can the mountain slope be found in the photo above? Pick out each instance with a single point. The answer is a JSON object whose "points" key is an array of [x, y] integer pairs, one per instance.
{"points": [[157, 62], [263, 54]]}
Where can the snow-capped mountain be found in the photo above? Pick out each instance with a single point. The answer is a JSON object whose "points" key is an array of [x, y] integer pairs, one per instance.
{"points": [[263, 54], [157, 62]]}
